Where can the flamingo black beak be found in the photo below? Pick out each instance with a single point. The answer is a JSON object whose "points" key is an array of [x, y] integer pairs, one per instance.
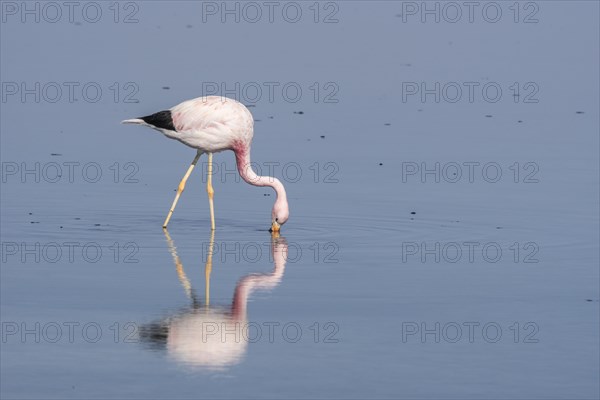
{"points": [[275, 227]]}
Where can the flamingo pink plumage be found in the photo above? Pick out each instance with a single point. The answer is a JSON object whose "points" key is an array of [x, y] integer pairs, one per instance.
{"points": [[211, 124]]}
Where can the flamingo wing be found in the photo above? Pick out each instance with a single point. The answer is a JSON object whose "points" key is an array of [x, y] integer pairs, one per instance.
{"points": [[161, 119]]}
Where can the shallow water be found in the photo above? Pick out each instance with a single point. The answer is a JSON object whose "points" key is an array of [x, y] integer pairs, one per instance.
{"points": [[387, 282]]}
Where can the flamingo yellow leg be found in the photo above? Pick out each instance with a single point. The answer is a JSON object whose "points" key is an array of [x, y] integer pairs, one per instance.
{"points": [[211, 192], [208, 268], [181, 187]]}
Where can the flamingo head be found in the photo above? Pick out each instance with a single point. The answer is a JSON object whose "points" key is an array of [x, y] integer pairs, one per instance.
{"points": [[279, 215]]}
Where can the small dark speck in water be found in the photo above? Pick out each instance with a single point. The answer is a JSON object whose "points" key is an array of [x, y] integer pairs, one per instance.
{"points": [[166, 87], [299, 112], [96, 224], [589, 300], [30, 213], [579, 112], [380, 163], [498, 227], [250, 105], [520, 121], [34, 222], [420, 109], [78, 23], [266, 194], [412, 219], [55, 154], [488, 116], [387, 124], [61, 227], [322, 136], [188, 26], [77, 218], [412, 212], [257, 120]]}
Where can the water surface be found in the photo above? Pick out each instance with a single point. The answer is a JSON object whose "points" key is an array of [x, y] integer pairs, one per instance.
{"points": [[384, 289]]}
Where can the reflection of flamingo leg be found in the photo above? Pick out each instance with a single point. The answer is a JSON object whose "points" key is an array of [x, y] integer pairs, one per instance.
{"points": [[185, 282]]}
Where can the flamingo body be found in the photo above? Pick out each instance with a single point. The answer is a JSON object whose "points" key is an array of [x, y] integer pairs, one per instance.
{"points": [[210, 124]]}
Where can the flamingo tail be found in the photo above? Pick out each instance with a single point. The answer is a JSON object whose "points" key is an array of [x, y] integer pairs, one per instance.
{"points": [[136, 121]]}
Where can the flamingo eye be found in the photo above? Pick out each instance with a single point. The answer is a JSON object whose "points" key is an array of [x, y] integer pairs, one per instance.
{"points": [[276, 219]]}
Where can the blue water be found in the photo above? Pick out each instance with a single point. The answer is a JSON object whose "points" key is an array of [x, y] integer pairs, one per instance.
{"points": [[435, 249]]}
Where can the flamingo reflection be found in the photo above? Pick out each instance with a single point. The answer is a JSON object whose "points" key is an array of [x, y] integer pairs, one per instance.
{"points": [[213, 337]]}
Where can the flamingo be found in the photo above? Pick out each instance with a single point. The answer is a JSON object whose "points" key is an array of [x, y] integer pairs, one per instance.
{"points": [[211, 124]]}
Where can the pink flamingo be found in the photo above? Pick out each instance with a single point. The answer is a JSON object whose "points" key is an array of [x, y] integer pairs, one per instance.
{"points": [[209, 125]]}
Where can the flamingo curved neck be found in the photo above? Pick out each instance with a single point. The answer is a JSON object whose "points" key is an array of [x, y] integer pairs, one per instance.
{"points": [[244, 167]]}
